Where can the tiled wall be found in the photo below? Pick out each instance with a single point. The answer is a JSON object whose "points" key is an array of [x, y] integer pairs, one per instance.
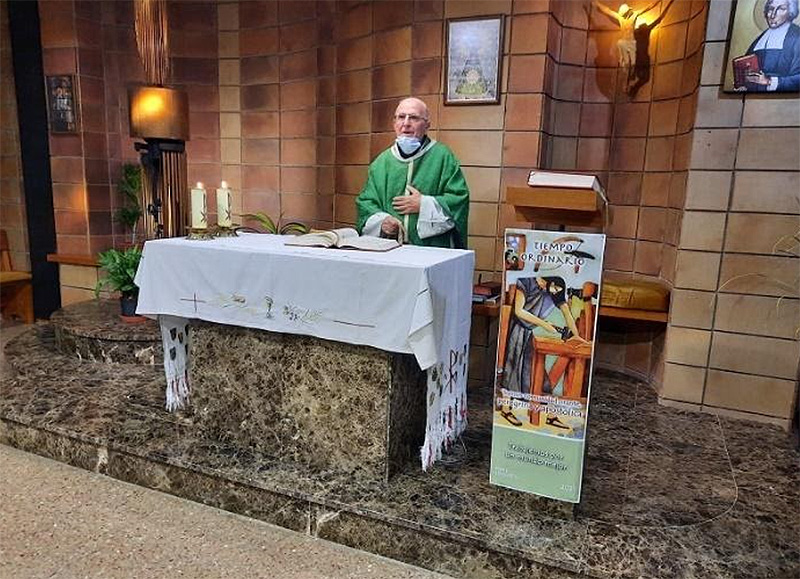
{"points": [[12, 202], [290, 100], [195, 69], [638, 144], [276, 65], [732, 344], [94, 42], [388, 50], [78, 162]]}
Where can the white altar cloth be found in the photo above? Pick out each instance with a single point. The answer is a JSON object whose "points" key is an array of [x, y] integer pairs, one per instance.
{"points": [[415, 300]]}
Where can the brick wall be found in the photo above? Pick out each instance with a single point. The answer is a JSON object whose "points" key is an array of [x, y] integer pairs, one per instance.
{"points": [[12, 201], [732, 343], [638, 144], [290, 100]]}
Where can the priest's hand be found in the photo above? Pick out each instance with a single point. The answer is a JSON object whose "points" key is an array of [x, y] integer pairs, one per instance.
{"points": [[390, 227], [406, 204]]}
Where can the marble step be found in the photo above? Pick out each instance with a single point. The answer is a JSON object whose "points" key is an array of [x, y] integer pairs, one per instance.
{"points": [[666, 493], [109, 418], [94, 331]]}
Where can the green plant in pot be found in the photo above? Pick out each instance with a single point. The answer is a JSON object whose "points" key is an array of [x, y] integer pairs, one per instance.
{"points": [[120, 267]]}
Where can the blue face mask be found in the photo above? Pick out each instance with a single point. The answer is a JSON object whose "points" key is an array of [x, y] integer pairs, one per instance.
{"points": [[408, 145]]}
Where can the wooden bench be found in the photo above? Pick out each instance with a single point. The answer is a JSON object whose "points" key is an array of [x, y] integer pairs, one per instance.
{"points": [[16, 291]]}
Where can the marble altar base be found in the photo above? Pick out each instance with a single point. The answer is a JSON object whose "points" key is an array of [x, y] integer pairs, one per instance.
{"points": [[323, 404]]}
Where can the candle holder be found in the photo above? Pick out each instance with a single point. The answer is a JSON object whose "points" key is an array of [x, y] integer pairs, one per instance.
{"points": [[225, 231], [199, 234]]}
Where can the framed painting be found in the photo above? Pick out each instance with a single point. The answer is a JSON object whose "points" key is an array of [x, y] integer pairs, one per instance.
{"points": [[473, 60], [62, 105], [764, 49]]}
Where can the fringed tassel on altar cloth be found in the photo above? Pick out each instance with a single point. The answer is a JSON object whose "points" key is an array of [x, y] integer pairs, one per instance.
{"points": [[447, 405], [175, 339]]}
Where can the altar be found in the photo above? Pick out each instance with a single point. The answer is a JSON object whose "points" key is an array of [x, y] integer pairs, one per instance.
{"points": [[317, 355]]}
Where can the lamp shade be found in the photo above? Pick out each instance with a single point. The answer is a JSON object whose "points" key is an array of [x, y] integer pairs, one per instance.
{"points": [[158, 113]]}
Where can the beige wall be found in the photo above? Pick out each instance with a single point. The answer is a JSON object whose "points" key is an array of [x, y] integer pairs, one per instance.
{"points": [[638, 145], [12, 201], [276, 108], [388, 50], [732, 343]]}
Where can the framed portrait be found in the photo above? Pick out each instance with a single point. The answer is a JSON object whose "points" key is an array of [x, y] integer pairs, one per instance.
{"points": [[473, 62], [62, 105], [764, 49]]}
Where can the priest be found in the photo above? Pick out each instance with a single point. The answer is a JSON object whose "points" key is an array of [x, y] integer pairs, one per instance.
{"points": [[415, 189]]}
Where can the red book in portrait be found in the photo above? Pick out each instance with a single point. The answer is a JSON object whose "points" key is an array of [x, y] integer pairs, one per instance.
{"points": [[742, 66]]}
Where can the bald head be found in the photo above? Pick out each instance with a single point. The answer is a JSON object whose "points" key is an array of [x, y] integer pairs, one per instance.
{"points": [[414, 102], [411, 118]]}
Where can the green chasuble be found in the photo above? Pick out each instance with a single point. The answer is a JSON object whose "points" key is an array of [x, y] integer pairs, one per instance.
{"points": [[436, 172]]}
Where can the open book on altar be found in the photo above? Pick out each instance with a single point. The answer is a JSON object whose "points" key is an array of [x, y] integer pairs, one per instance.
{"points": [[344, 238]]}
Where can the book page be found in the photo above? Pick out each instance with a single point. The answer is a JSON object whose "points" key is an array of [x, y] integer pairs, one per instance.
{"points": [[368, 243], [316, 239], [344, 233], [547, 179], [567, 180]]}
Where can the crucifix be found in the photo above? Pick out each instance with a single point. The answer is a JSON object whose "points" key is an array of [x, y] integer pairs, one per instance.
{"points": [[633, 46]]}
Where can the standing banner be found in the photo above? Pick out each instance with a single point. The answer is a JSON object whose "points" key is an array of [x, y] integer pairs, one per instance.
{"points": [[545, 349]]}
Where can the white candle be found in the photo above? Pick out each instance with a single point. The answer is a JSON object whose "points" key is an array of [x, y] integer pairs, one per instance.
{"points": [[224, 205], [199, 209]]}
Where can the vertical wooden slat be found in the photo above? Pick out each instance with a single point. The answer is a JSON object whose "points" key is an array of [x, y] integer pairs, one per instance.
{"points": [[152, 39]]}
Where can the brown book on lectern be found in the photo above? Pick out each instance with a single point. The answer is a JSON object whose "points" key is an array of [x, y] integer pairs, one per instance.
{"points": [[742, 66]]}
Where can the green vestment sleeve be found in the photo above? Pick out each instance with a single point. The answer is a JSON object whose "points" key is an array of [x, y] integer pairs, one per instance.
{"points": [[437, 173]]}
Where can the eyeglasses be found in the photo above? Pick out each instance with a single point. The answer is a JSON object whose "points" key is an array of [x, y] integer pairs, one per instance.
{"points": [[412, 118]]}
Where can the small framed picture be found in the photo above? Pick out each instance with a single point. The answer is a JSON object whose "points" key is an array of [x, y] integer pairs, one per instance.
{"points": [[764, 47], [473, 64], [62, 105]]}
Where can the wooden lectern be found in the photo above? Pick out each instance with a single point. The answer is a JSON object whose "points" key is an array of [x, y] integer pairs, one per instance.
{"points": [[559, 199]]}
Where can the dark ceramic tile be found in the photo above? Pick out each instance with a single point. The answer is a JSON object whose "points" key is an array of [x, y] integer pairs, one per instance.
{"points": [[699, 486], [749, 444], [258, 13]]}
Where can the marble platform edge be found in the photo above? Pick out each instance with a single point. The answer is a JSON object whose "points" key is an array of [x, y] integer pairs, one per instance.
{"points": [[103, 448], [433, 548], [607, 549], [100, 319], [111, 445], [78, 333]]}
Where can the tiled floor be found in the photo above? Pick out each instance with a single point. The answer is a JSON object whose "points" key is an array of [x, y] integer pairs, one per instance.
{"points": [[59, 521], [666, 493]]}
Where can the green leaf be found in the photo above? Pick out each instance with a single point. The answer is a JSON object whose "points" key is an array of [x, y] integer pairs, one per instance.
{"points": [[264, 220], [120, 270], [294, 227], [130, 187]]}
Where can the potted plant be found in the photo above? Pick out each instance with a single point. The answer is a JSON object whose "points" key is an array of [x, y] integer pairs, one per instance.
{"points": [[130, 187], [120, 267]]}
